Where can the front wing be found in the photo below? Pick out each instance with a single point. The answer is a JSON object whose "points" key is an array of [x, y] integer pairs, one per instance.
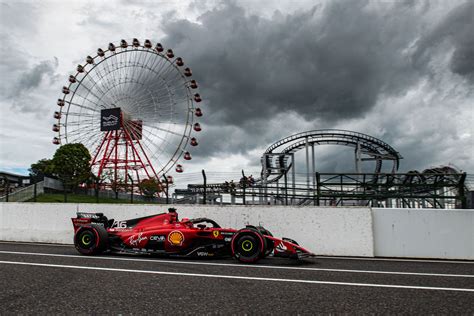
{"points": [[288, 248]]}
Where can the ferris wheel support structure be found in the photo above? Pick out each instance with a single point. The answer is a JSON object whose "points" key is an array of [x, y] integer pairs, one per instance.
{"points": [[108, 156]]}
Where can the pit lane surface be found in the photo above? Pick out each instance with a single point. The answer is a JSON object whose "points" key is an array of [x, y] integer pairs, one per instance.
{"points": [[55, 279]]}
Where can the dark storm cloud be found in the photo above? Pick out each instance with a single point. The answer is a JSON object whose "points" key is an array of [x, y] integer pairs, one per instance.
{"points": [[330, 62], [21, 78], [24, 90], [324, 64], [216, 138], [32, 78], [458, 29]]}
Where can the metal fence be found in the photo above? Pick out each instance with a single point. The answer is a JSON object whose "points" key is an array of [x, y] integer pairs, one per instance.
{"points": [[110, 194], [24, 194], [408, 190], [54, 184]]}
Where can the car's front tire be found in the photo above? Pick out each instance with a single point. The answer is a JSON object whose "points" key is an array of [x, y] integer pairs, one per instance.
{"points": [[248, 245], [91, 240]]}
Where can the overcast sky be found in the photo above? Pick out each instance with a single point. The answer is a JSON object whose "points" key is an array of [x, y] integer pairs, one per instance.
{"points": [[401, 71]]}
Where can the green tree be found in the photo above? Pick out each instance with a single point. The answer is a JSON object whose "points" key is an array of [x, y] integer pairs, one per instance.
{"points": [[71, 164], [150, 187], [41, 168]]}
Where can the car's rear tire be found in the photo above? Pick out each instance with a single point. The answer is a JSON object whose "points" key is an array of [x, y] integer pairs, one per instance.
{"points": [[248, 245], [91, 240]]}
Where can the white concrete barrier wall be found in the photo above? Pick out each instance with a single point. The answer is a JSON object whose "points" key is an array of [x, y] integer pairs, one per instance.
{"points": [[325, 231], [415, 233], [424, 233]]}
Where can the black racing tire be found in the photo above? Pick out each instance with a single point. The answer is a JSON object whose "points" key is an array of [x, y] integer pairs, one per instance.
{"points": [[269, 242], [91, 240], [248, 245]]}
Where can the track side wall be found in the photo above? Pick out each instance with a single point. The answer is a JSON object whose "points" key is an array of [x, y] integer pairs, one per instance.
{"points": [[325, 231], [409, 233], [424, 233]]}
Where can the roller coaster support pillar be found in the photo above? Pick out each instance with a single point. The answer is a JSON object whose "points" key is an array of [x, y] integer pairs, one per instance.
{"points": [[286, 187], [313, 169], [204, 195], [265, 165], [462, 193], [318, 187], [293, 175], [307, 165], [244, 185], [358, 158]]}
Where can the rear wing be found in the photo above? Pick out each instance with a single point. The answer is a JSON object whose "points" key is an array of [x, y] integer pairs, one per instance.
{"points": [[83, 219]]}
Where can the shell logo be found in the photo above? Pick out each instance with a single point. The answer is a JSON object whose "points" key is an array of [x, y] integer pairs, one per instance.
{"points": [[176, 238]]}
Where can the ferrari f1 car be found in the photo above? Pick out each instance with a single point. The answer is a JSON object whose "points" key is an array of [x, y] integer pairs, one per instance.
{"points": [[164, 234]]}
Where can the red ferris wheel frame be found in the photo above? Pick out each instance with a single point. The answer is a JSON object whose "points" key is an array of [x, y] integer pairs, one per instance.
{"points": [[109, 156]]}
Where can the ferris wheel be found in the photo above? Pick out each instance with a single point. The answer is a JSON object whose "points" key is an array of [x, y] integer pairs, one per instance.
{"points": [[133, 106]]}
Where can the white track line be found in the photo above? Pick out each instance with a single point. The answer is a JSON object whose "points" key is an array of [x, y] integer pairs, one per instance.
{"points": [[318, 257], [396, 260], [35, 244], [236, 265], [240, 277]]}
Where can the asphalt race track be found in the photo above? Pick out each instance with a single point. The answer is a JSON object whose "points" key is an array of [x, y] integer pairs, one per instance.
{"points": [[38, 278]]}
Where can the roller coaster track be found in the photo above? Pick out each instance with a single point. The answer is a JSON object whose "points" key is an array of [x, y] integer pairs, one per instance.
{"points": [[434, 186], [275, 160]]}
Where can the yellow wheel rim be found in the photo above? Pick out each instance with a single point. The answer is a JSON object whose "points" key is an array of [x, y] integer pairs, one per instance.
{"points": [[86, 240], [247, 245]]}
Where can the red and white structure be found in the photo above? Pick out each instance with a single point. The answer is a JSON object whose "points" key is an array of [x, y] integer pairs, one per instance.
{"points": [[133, 105]]}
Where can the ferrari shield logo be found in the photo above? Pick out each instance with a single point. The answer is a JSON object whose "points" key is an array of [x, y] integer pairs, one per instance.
{"points": [[215, 233]]}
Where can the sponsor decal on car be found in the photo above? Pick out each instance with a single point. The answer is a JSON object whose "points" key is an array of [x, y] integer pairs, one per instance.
{"points": [[227, 233], [135, 240], [160, 238], [176, 238], [228, 239], [215, 233], [88, 215], [81, 221], [281, 247], [120, 230], [119, 224]]}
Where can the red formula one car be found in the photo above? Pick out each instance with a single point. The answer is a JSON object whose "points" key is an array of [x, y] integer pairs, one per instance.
{"points": [[164, 234]]}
